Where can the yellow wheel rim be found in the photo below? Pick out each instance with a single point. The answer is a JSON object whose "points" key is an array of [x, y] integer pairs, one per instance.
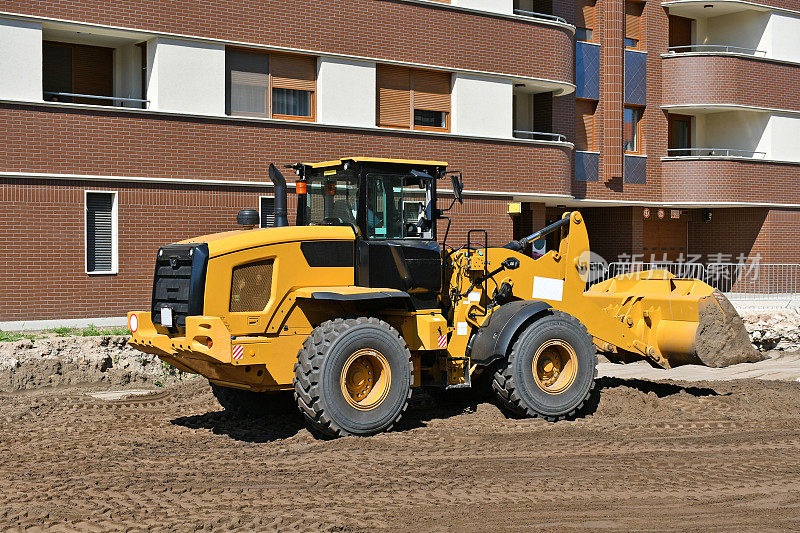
{"points": [[555, 366], [366, 378]]}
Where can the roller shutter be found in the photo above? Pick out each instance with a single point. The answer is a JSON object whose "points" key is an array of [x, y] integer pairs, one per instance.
{"points": [[633, 19], [99, 232], [248, 78], [431, 90], [584, 125], [394, 96], [585, 14]]}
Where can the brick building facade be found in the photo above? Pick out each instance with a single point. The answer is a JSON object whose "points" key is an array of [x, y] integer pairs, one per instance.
{"points": [[138, 126]]}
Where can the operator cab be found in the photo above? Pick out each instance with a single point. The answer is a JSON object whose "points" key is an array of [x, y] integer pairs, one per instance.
{"points": [[391, 206]]}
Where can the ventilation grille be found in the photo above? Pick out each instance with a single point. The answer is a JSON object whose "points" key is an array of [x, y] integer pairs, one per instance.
{"points": [[267, 212], [99, 232], [251, 287]]}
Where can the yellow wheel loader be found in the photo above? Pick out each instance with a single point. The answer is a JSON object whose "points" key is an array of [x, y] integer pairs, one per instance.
{"points": [[358, 303]]}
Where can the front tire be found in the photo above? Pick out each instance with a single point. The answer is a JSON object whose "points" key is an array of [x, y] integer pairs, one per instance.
{"points": [[551, 370], [353, 377]]}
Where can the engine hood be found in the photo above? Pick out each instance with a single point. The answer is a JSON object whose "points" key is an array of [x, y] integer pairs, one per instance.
{"points": [[234, 241]]}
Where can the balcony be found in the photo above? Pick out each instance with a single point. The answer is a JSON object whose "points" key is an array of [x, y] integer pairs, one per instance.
{"points": [[727, 153], [716, 49], [732, 156], [533, 114], [707, 79], [712, 134], [729, 179], [736, 27], [93, 68], [537, 9]]}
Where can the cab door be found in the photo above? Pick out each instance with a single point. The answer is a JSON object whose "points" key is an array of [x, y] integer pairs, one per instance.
{"points": [[399, 248]]}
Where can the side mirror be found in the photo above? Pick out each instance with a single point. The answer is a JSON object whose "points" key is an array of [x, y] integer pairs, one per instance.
{"points": [[458, 186]]}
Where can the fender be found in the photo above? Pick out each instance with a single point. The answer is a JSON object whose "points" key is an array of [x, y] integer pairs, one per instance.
{"points": [[374, 298], [494, 337]]}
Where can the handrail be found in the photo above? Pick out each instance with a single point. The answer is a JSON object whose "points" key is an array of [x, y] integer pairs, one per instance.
{"points": [[714, 48], [715, 152], [94, 96], [534, 136], [533, 14]]}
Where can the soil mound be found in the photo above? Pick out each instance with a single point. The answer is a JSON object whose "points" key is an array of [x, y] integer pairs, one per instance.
{"points": [[28, 364], [722, 339]]}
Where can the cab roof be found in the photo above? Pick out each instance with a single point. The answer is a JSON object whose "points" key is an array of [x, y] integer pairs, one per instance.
{"points": [[337, 162]]}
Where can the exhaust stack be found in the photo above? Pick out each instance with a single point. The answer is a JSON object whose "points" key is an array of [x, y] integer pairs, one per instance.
{"points": [[279, 183]]}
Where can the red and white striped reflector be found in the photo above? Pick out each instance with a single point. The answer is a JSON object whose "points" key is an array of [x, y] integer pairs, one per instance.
{"points": [[238, 352], [442, 341]]}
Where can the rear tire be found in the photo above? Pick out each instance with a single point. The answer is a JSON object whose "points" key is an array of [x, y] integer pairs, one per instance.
{"points": [[353, 377], [551, 370], [243, 402]]}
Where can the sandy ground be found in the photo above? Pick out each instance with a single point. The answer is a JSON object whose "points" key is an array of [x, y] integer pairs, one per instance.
{"points": [[704, 456], [780, 366]]}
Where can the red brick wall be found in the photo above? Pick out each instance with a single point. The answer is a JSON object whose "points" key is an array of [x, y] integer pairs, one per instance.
{"points": [[763, 234], [43, 265], [386, 29], [730, 80], [614, 231], [720, 180], [98, 142], [773, 235]]}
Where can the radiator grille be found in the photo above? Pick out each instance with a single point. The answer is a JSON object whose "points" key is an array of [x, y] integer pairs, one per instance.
{"points": [[179, 282], [251, 286]]}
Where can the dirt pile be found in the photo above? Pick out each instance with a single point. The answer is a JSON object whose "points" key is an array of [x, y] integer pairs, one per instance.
{"points": [[722, 339], [28, 364], [774, 330]]}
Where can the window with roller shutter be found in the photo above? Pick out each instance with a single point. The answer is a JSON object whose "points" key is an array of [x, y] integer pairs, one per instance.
{"points": [[584, 20], [584, 125], [270, 85], [101, 232], [633, 24], [413, 98]]}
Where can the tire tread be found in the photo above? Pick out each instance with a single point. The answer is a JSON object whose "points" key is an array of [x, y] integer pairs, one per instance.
{"points": [[506, 391], [307, 380]]}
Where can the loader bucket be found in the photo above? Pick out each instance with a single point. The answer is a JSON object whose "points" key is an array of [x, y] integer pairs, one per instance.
{"points": [[671, 321]]}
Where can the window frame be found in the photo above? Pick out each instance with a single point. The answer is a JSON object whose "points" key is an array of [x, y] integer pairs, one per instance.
{"points": [[580, 6], [639, 41], [637, 132], [269, 97], [577, 38], [114, 233], [412, 125], [417, 127], [595, 104], [672, 118], [430, 193]]}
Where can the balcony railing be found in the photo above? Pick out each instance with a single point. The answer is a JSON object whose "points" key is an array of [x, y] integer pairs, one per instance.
{"points": [[539, 136], [715, 152], [533, 14], [724, 48], [115, 99]]}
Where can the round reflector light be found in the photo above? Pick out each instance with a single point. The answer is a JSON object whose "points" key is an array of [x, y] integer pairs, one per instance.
{"points": [[133, 323]]}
